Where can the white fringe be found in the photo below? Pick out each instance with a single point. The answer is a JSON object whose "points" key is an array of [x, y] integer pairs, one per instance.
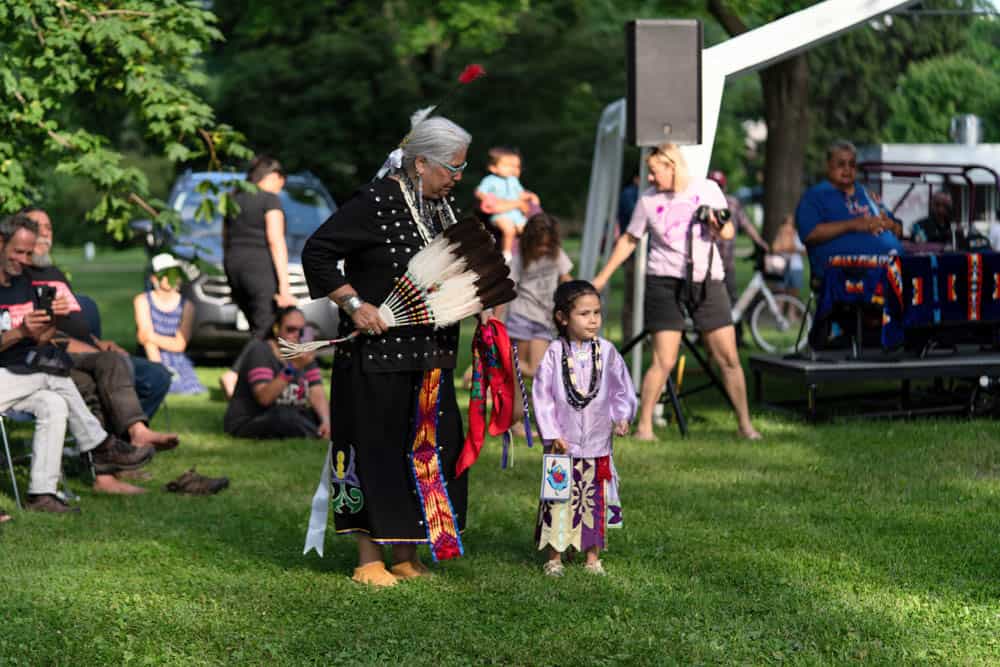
{"points": [[290, 350]]}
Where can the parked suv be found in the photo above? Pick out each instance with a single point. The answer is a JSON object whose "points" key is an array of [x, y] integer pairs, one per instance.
{"points": [[220, 328]]}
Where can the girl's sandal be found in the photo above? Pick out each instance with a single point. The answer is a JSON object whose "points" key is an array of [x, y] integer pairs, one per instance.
{"points": [[375, 574], [553, 568], [595, 567]]}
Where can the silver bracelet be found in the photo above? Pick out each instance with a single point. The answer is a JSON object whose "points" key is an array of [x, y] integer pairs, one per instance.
{"points": [[351, 305]]}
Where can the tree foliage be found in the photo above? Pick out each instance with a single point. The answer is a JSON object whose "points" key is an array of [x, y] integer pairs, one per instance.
{"points": [[853, 86], [330, 87], [863, 71], [932, 91], [65, 64]]}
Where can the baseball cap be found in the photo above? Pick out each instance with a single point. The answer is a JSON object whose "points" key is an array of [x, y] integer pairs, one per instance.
{"points": [[165, 261], [719, 177]]}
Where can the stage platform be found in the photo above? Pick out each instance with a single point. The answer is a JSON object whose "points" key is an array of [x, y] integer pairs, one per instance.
{"points": [[834, 367]]}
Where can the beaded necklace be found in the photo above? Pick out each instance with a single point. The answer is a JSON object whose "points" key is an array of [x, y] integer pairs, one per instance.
{"points": [[577, 399], [424, 211]]}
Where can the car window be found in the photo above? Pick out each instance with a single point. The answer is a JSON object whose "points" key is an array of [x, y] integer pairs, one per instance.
{"points": [[305, 207]]}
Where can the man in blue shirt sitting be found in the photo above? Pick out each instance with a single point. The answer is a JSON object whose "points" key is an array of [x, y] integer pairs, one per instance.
{"points": [[840, 217]]}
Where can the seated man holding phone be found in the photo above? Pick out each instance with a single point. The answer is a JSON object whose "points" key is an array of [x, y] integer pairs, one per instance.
{"points": [[122, 391], [34, 379]]}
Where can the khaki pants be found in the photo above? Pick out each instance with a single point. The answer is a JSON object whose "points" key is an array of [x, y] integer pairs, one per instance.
{"points": [[55, 402]]}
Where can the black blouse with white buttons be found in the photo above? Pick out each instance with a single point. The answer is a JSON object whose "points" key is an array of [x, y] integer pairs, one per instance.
{"points": [[375, 235]]}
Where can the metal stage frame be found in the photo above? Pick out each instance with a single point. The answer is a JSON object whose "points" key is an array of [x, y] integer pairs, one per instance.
{"points": [[963, 363]]}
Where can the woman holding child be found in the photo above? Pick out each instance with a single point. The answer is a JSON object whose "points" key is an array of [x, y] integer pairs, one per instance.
{"points": [[383, 487], [684, 277]]}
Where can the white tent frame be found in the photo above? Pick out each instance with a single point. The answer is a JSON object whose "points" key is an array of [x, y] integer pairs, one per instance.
{"points": [[749, 52]]}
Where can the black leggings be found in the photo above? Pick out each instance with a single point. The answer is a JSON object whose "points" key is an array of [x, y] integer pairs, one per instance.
{"points": [[253, 284], [278, 421]]}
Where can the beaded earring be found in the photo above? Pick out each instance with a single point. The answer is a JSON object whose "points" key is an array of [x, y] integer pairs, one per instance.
{"points": [[420, 194]]}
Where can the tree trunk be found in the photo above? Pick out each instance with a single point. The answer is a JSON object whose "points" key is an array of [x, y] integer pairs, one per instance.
{"points": [[786, 96]]}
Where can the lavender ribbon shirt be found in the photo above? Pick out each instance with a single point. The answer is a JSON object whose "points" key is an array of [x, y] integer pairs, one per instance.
{"points": [[666, 216], [587, 432]]}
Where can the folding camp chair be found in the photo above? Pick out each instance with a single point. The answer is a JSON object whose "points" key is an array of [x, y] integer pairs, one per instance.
{"points": [[12, 415], [24, 417]]}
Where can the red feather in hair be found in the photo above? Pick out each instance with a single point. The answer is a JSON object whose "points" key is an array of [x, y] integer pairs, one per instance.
{"points": [[471, 73]]}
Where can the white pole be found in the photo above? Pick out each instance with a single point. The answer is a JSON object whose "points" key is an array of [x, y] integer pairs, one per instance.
{"points": [[639, 272]]}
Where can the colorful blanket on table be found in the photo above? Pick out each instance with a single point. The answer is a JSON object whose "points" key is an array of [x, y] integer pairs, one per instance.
{"points": [[866, 280], [919, 290], [951, 288]]}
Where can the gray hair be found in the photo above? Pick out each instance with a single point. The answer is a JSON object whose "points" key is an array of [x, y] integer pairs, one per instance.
{"points": [[436, 138], [840, 145], [15, 222]]}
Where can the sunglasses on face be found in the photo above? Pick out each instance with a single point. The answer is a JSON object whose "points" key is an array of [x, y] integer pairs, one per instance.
{"points": [[450, 167], [174, 276], [292, 330]]}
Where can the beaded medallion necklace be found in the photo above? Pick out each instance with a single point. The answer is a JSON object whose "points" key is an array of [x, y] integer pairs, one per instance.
{"points": [[574, 394]]}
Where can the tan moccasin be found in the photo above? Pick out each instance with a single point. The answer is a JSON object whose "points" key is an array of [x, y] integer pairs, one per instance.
{"points": [[375, 574], [411, 569]]}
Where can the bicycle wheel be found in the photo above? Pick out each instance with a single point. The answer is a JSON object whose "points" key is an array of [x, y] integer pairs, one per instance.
{"points": [[776, 330]]}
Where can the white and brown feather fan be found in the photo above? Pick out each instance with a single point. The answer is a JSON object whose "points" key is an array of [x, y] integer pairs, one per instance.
{"points": [[458, 274]]}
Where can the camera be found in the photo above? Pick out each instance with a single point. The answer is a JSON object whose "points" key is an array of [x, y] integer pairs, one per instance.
{"points": [[44, 296], [722, 215]]}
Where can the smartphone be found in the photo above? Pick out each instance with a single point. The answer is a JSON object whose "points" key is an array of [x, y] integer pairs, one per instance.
{"points": [[44, 296]]}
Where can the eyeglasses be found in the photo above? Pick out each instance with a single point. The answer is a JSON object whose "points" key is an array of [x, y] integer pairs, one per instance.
{"points": [[292, 330], [450, 167]]}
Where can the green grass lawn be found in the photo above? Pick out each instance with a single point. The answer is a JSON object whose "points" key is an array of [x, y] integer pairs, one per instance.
{"points": [[857, 541]]}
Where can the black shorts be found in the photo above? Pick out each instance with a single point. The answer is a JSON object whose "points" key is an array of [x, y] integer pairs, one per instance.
{"points": [[662, 309]]}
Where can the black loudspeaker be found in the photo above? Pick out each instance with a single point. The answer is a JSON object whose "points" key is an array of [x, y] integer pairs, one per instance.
{"points": [[664, 81]]}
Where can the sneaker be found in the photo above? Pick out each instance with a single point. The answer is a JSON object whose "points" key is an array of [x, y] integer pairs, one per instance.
{"points": [[596, 567], [197, 485], [115, 454], [553, 568], [47, 502]]}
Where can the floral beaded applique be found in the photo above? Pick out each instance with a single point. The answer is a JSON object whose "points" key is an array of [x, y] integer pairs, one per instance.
{"points": [[349, 498]]}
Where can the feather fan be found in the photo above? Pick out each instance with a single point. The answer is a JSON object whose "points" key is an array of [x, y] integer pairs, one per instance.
{"points": [[458, 274]]}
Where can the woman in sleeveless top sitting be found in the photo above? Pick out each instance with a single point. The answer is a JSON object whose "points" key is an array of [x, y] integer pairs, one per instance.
{"points": [[163, 322]]}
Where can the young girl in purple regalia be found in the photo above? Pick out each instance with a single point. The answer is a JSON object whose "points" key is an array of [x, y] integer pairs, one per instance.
{"points": [[583, 396]]}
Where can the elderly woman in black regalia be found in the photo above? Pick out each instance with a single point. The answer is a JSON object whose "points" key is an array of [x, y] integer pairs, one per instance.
{"points": [[396, 427]]}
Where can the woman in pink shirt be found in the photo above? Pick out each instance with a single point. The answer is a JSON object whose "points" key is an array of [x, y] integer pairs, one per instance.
{"points": [[668, 211]]}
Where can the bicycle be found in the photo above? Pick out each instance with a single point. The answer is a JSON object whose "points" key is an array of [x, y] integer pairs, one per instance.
{"points": [[774, 319]]}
